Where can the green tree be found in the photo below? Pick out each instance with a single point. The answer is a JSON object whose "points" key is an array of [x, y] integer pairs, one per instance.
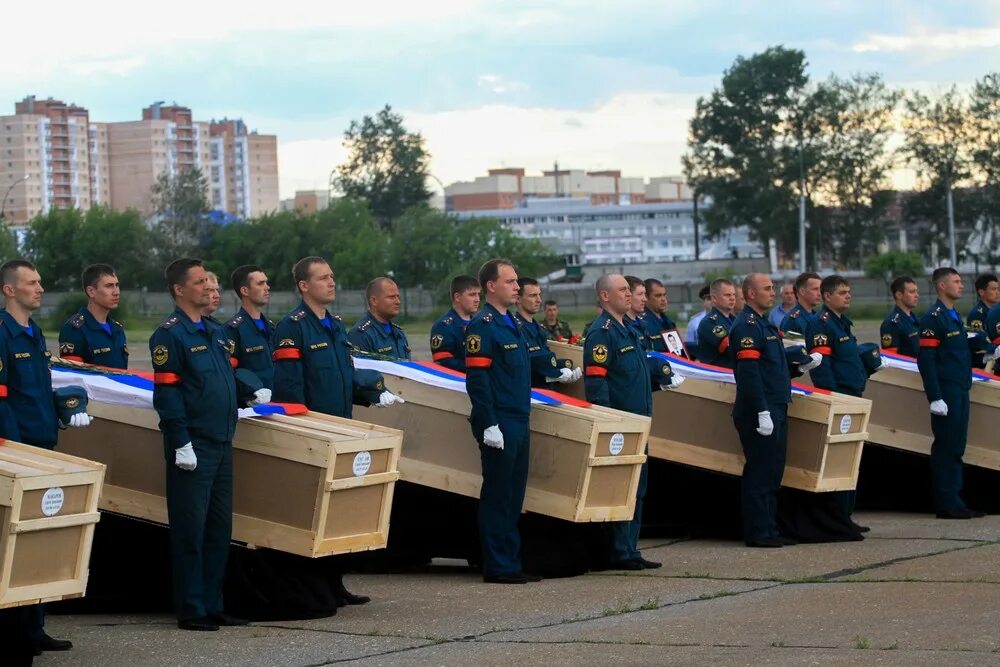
{"points": [[480, 239], [890, 265], [53, 243], [8, 243], [180, 203], [386, 166], [984, 107], [119, 238], [422, 247]]}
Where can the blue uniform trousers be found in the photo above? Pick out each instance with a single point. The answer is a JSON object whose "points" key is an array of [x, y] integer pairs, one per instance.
{"points": [[200, 510], [950, 435], [505, 476], [762, 472], [625, 534]]}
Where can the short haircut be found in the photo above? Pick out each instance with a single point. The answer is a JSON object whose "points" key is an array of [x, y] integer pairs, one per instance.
{"points": [[718, 283], [705, 292], [942, 273], [549, 303], [984, 280], [523, 282], [374, 286], [211, 275], [900, 283], [831, 283], [749, 283], [93, 273], [650, 283], [463, 282], [240, 277], [8, 271], [633, 282], [803, 279], [302, 267], [176, 272], [603, 284], [490, 271]]}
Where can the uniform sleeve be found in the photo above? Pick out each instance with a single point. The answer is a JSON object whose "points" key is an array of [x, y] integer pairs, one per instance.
{"points": [[993, 325], [596, 359], [930, 341], [72, 344], [543, 360], [478, 360], [819, 339], [167, 378], [889, 335], [235, 341], [289, 385], [447, 346], [792, 324], [713, 339], [360, 340], [975, 320], [749, 347], [8, 422]]}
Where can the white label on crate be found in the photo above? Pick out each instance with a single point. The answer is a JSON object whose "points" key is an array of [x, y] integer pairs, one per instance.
{"points": [[362, 462], [52, 501], [617, 444], [845, 423]]}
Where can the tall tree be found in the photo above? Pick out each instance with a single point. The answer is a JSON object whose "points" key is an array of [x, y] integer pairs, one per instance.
{"points": [[386, 166], [743, 146], [119, 238], [181, 205], [8, 243], [53, 244], [984, 106]]}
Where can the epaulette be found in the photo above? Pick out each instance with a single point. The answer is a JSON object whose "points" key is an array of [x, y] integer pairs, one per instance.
{"points": [[447, 321], [234, 321], [77, 320], [936, 311], [364, 325], [169, 322], [607, 324], [825, 316], [488, 317], [713, 316], [751, 318], [795, 313], [298, 315], [117, 323], [895, 318]]}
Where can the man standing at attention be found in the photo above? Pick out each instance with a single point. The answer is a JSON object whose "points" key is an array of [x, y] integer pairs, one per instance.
{"points": [[92, 336], [900, 330], [248, 330], [656, 320], [545, 368], [448, 333], [713, 331], [807, 293], [376, 332]]}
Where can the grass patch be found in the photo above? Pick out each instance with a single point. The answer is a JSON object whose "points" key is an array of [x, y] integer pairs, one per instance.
{"points": [[861, 642]]}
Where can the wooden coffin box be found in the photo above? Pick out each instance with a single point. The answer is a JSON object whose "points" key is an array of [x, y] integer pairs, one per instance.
{"points": [[584, 464], [692, 425], [901, 417], [310, 484], [48, 509]]}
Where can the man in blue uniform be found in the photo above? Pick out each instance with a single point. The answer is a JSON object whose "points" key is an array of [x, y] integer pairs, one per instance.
{"points": [[92, 336], [545, 367], [195, 396], [944, 361], [807, 293], [617, 376], [248, 331], [656, 320], [760, 413], [713, 331], [900, 330], [498, 380], [988, 292], [27, 409], [448, 333], [376, 332]]}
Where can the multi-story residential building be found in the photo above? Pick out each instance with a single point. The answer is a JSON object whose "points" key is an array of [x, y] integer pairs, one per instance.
{"points": [[243, 169], [307, 201]]}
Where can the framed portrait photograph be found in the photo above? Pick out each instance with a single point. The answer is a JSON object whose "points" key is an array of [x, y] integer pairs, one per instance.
{"points": [[675, 343]]}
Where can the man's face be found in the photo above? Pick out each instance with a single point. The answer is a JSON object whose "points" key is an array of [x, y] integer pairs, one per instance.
{"points": [[952, 286], [990, 294], [385, 303], [809, 295], [657, 299], [215, 298], [505, 288], [725, 298], [320, 286], [910, 296], [194, 291], [638, 299], [839, 299], [467, 302], [552, 314], [618, 298], [531, 299], [761, 296], [106, 293], [258, 289], [787, 297], [26, 290]]}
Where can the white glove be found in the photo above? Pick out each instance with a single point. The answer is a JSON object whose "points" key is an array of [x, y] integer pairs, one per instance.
{"points": [[939, 408], [567, 375], [79, 420], [996, 352], [817, 359], [387, 398], [260, 397], [577, 374], [764, 424], [492, 437], [184, 457], [675, 381]]}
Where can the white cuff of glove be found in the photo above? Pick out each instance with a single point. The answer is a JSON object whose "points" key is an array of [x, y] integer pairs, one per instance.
{"points": [[675, 381], [387, 398], [184, 457], [79, 420], [939, 408], [764, 424], [260, 397], [996, 352], [565, 375], [493, 437], [816, 358]]}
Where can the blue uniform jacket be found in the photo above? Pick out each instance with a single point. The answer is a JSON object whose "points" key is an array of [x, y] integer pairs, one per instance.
{"points": [[543, 360], [370, 335], [27, 406], [976, 320], [652, 326], [797, 319], [448, 341], [901, 332], [82, 338], [979, 345], [251, 346], [616, 373], [944, 352], [841, 369], [992, 326], [313, 365], [194, 390], [713, 339], [761, 365], [498, 369]]}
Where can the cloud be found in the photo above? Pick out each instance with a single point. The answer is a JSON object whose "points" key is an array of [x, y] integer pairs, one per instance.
{"points": [[926, 40], [499, 85]]}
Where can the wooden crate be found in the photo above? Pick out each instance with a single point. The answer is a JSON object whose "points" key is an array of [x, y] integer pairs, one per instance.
{"points": [[295, 485], [901, 416], [574, 473], [48, 509], [693, 425]]}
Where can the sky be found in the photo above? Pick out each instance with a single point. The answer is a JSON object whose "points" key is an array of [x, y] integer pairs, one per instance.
{"points": [[517, 83]]}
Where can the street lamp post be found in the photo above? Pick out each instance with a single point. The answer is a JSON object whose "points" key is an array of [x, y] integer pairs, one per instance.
{"points": [[3, 203]]}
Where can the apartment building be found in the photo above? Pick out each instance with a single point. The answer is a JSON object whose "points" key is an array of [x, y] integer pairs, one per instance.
{"points": [[242, 169]]}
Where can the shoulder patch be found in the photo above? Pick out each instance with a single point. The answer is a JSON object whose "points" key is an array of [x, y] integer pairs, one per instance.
{"points": [[473, 344], [77, 320], [436, 341], [169, 322], [886, 340], [600, 354], [746, 342], [298, 315], [719, 331]]}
